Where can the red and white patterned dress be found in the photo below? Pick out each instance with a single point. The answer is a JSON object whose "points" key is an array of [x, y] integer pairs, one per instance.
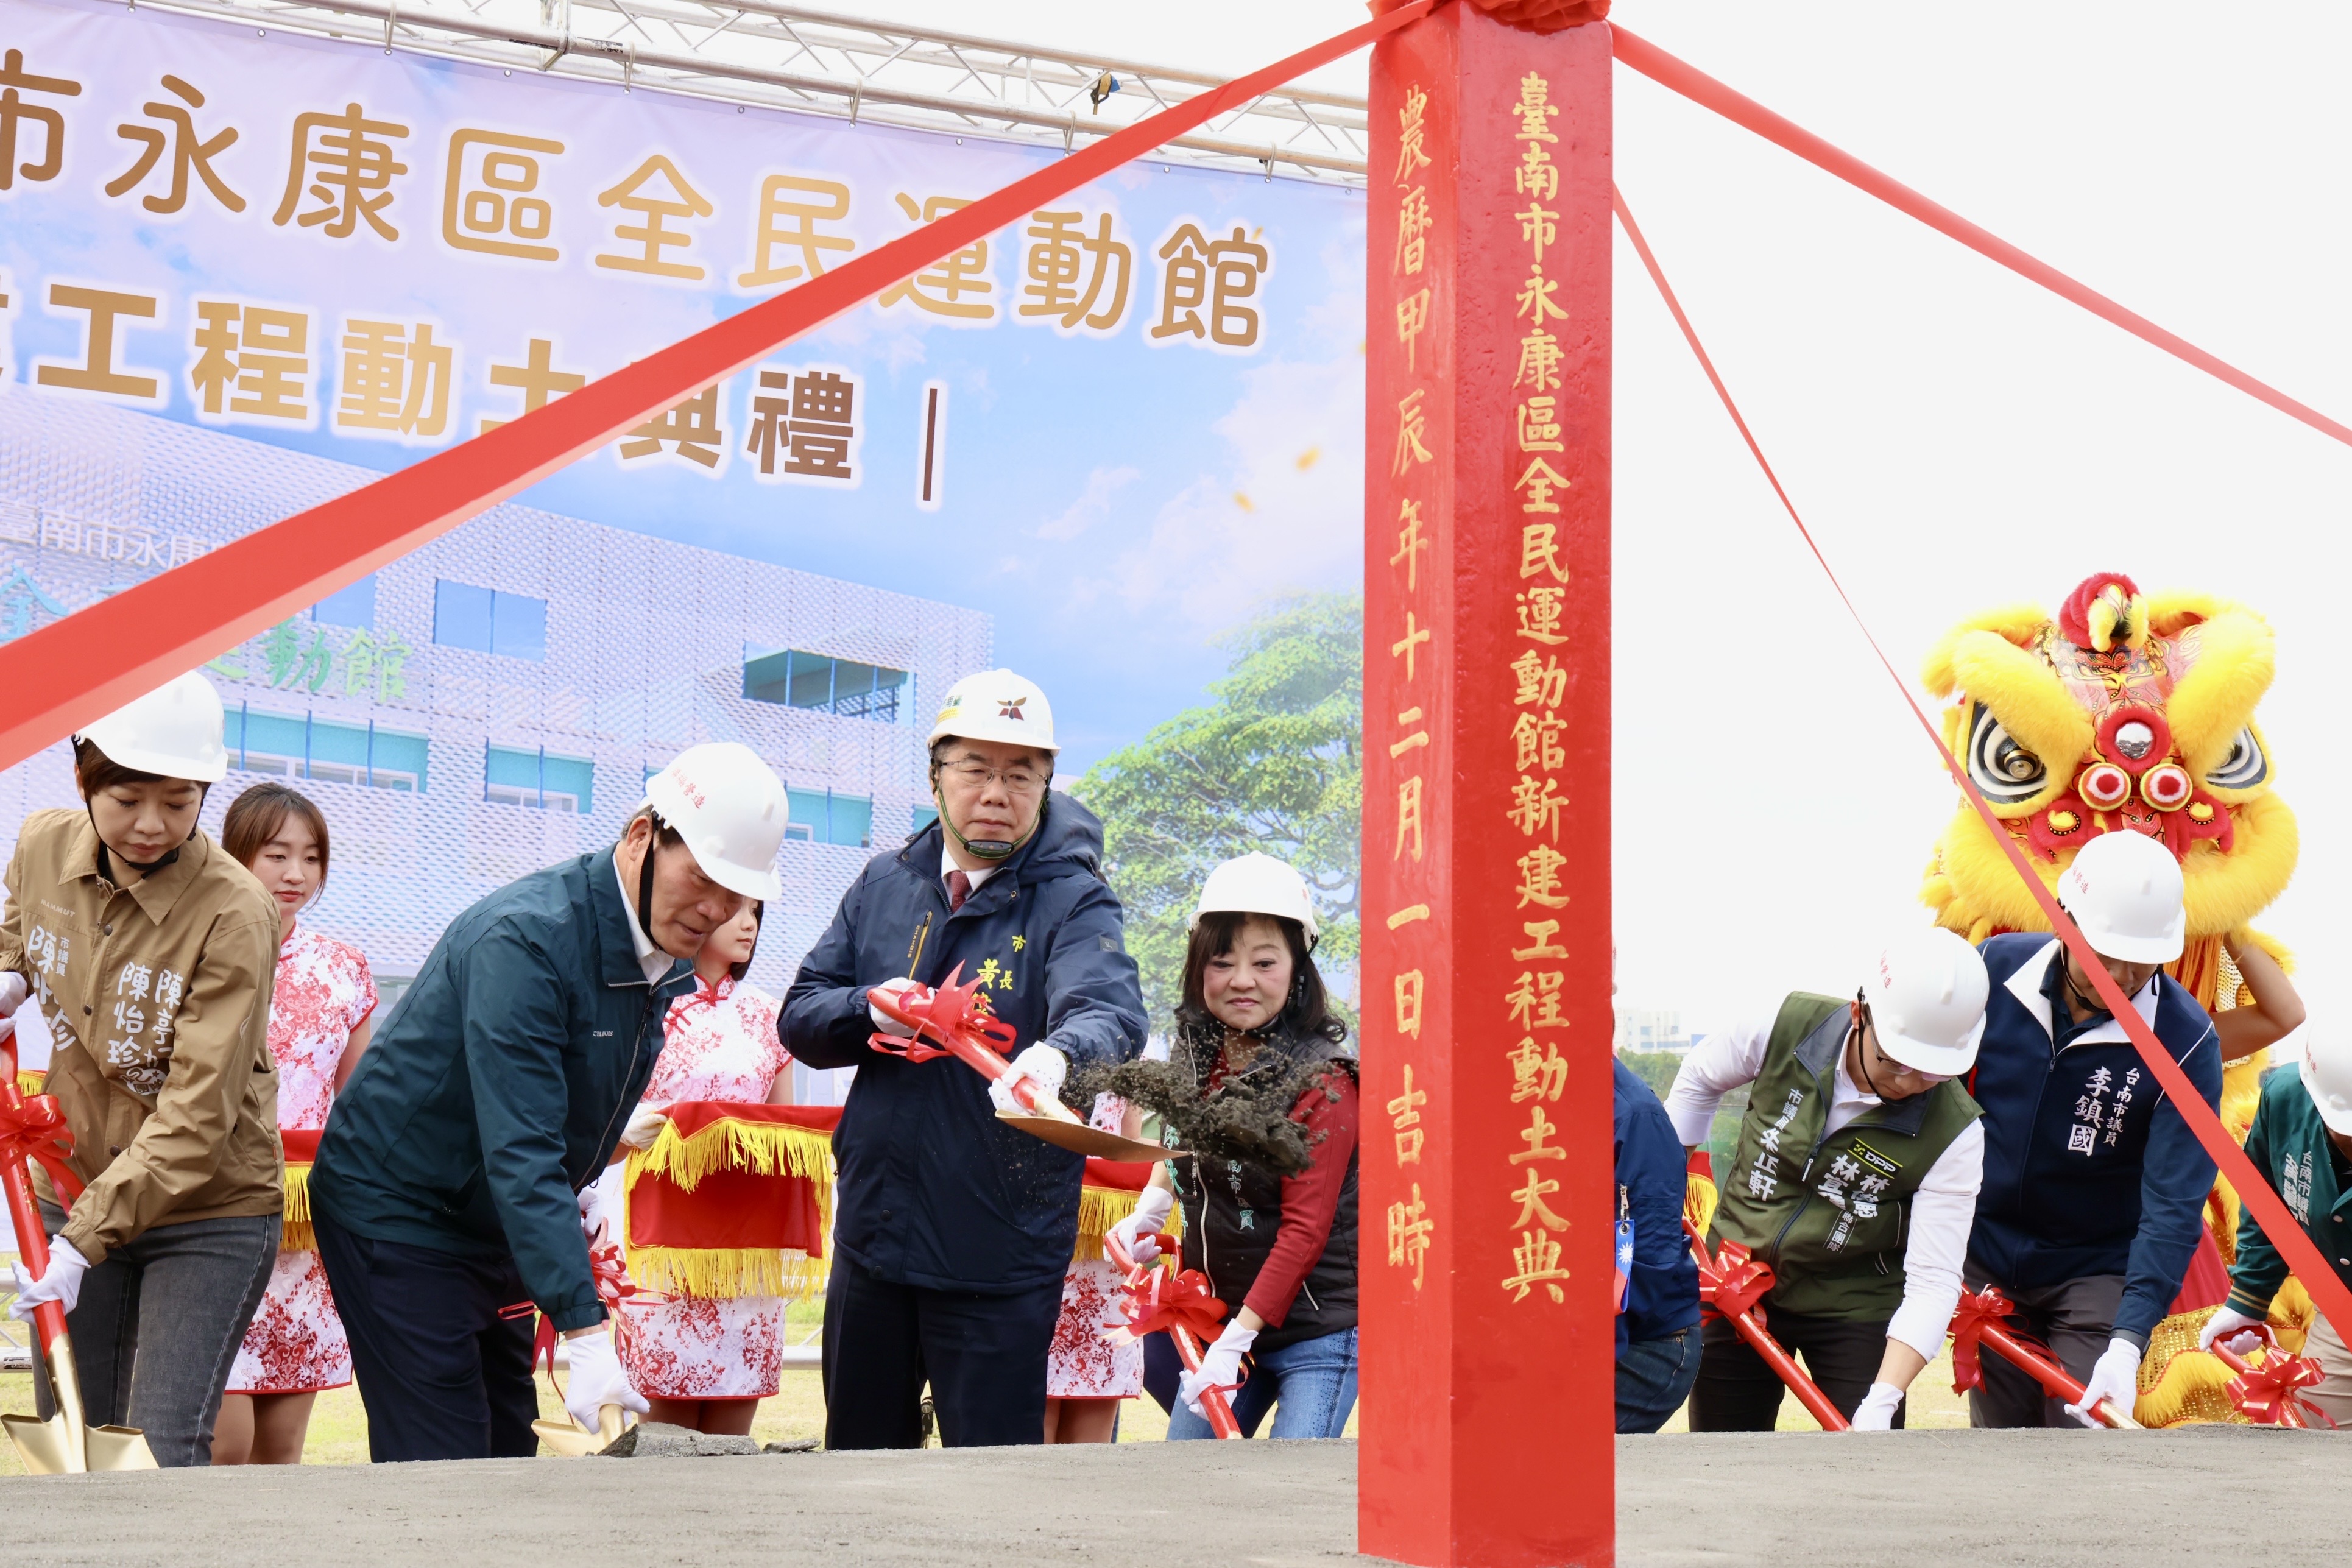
{"points": [[1081, 1365], [720, 1044], [295, 1344]]}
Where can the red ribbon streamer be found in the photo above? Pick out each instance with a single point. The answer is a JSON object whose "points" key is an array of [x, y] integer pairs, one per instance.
{"points": [[2253, 1188], [1978, 1311], [1680, 76], [39, 1133], [614, 1287], [89, 663], [1731, 1284]]}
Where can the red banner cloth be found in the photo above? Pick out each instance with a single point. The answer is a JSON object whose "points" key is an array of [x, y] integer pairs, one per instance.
{"points": [[1119, 1175], [733, 1210], [301, 1147]]}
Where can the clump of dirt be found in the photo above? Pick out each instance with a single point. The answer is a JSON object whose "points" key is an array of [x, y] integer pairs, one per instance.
{"points": [[1247, 1117]]}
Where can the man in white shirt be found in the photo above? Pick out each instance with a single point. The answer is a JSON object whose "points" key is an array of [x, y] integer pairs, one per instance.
{"points": [[1855, 1178]]}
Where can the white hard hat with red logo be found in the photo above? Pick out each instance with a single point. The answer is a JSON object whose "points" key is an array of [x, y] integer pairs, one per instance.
{"points": [[730, 810], [175, 731], [997, 705], [1927, 999], [2125, 891]]}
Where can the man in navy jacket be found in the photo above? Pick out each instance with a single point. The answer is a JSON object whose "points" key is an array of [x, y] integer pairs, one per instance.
{"points": [[1657, 1345], [953, 1232], [2093, 1187]]}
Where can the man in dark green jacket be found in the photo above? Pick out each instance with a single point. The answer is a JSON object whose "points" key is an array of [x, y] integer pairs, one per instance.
{"points": [[1855, 1180], [445, 1191], [2302, 1142]]}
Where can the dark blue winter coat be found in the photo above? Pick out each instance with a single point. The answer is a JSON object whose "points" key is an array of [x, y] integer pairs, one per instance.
{"points": [[934, 1191], [2089, 1168], [1662, 1290], [500, 1084]]}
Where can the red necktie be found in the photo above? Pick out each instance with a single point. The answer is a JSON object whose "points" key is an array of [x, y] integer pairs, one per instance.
{"points": [[959, 890]]}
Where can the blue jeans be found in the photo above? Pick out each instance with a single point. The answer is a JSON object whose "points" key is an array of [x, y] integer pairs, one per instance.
{"points": [[1312, 1382], [1654, 1378]]}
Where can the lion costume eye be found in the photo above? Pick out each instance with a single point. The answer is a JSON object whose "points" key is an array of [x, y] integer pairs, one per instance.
{"points": [[2005, 771], [2245, 767]]}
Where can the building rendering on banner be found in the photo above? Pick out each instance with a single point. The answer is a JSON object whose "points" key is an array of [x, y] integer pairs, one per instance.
{"points": [[494, 701]]}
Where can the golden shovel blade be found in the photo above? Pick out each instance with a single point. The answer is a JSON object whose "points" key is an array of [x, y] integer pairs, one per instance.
{"points": [[1080, 1139], [569, 1440], [47, 1447]]}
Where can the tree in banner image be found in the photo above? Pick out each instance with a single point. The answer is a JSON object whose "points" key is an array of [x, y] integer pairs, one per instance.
{"points": [[1274, 765]]}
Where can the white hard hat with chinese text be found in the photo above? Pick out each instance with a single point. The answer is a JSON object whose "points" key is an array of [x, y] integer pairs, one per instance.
{"points": [[173, 731], [997, 705], [2327, 1077], [730, 810]]}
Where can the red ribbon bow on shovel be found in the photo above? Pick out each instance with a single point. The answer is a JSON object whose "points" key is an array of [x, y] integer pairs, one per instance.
{"points": [[953, 1014], [1983, 1317], [1977, 1313], [2267, 1394], [38, 1131], [1164, 1300], [1735, 1283]]}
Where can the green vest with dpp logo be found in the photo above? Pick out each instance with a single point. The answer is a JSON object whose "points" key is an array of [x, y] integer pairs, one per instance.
{"points": [[1828, 1212]]}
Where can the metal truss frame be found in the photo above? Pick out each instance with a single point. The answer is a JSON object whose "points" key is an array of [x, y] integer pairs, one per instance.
{"points": [[757, 53]]}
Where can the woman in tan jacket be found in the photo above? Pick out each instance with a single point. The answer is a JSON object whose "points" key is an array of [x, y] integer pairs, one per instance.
{"points": [[152, 953]]}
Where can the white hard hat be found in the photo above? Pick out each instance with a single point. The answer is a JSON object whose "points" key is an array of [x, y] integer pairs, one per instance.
{"points": [[2124, 890], [1927, 999], [2327, 1079], [173, 731], [997, 705], [730, 809], [1257, 884]]}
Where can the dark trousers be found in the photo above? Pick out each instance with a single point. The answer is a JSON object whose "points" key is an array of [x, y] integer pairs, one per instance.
{"points": [[2076, 1318], [440, 1347], [157, 1325], [983, 1356], [1738, 1392]]}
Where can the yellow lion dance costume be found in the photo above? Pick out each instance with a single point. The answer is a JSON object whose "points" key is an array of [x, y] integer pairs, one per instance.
{"points": [[2129, 712]]}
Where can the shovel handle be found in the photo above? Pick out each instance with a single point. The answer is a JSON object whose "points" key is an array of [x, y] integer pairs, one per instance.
{"points": [[2053, 1378], [32, 1236], [1188, 1349]]}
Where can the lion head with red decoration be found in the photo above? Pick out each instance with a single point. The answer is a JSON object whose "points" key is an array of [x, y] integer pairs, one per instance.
{"points": [[2126, 712]]}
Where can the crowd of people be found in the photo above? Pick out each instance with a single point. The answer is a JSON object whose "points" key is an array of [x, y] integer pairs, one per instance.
{"points": [[1975, 1117], [1972, 1117], [458, 1160]]}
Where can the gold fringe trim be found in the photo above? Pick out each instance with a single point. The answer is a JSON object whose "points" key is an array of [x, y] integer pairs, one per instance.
{"points": [[724, 1273], [30, 1083], [1099, 1208], [770, 1149], [298, 1236]]}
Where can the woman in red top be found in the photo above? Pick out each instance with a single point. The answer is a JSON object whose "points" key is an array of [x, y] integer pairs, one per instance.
{"points": [[1278, 1246]]}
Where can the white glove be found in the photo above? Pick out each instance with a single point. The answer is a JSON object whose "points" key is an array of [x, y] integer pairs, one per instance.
{"points": [[883, 1021], [1041, 1065], [12, 991], [597, 1379], [2226, 1323], [1876, 1411], [645, 1126], [61, 1283], [1220, 1368], [2115, 1377], [1135, 1232]]}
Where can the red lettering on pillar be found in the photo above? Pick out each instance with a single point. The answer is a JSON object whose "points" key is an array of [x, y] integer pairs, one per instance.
{"points": [[1489, 1380]]}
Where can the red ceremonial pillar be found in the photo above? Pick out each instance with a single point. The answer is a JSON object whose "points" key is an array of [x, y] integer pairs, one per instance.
{"points": [[1488, 1311]]}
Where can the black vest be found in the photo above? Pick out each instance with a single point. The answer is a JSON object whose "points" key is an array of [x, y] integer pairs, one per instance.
{"points": [[1233, 1209]]}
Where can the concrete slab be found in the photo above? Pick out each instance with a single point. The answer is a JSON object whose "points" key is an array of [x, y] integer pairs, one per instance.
{"points": [[2022, 1497]]}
